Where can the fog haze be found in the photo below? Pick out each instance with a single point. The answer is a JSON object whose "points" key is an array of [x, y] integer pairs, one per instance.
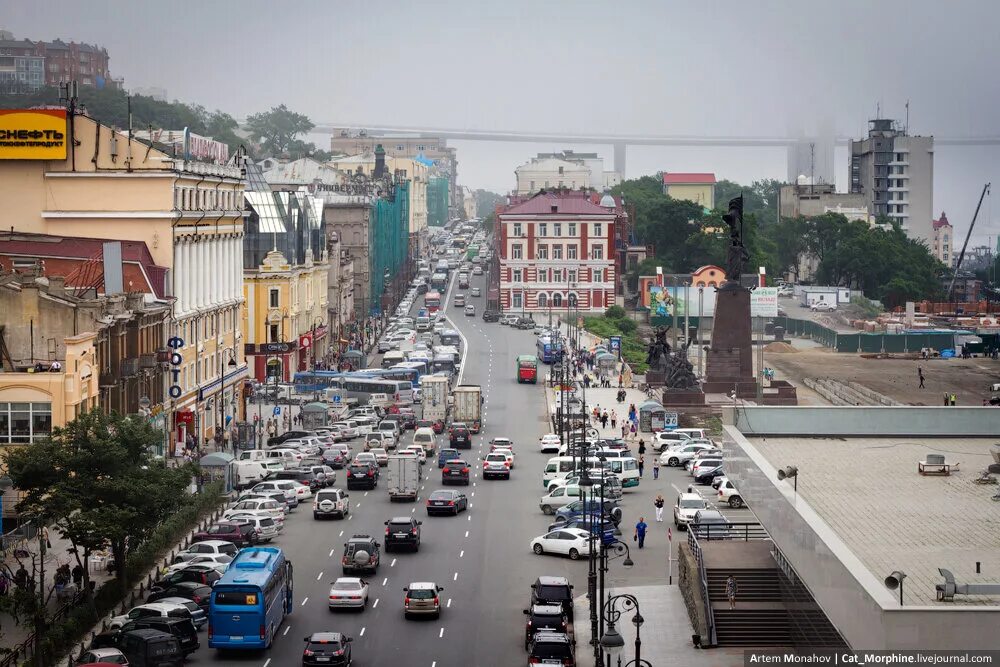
{"points": [[718, 68]]}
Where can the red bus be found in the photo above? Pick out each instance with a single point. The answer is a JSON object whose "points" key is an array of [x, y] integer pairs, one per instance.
{"points": [[527, 368], [432, 301]]}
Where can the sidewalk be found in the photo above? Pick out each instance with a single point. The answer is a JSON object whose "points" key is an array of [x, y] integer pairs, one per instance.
{"points": [[665, 633]]}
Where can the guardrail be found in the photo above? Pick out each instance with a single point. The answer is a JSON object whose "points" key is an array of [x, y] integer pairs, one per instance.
{"points": [[743, 532], [692, 541]]}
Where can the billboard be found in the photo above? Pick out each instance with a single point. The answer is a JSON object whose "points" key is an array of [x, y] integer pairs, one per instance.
{"points": [[33, 134], [661, 301], [764, 302]]}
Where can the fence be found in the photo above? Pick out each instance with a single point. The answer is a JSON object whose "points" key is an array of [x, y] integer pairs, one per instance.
{"points": [[13, 539], [26, 649], [692, 541]]}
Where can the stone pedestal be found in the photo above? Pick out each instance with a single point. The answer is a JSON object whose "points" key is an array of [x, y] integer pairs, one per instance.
{"points": [[730, 359], [682, 398]]}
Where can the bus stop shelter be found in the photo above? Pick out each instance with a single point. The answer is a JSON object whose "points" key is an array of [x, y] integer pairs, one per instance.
{"points": [[652, 417], [217, 466]]}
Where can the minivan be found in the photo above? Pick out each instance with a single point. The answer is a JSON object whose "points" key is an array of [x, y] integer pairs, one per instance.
{"points": [[151, 648], [559, 467], [425, 438]]}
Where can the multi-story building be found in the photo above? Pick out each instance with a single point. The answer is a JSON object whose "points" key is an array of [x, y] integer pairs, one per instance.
{"points": [[348, 216], [698, 188], [302, 173], [566, 169], [285, 274], [339, 288], [22, 66], [190, 217], [435, 149], [943, 244], [468, 203], [84, 63], [895, 173], [807, 199], [557, 254]]}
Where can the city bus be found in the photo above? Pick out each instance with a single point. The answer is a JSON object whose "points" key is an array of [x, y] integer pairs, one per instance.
{"points": [[251, 600], [311, 381], [527, 368], [439, 282], [432, 301], [549, 350], [362, 385]]}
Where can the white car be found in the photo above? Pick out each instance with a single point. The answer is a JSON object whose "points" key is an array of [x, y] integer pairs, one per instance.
{"points": [[302, 491], [505, 452], [201, 559], [286, 487], [348, 593], [381, 456], [257, 507], [697, 466], [685, 508], [208, 547], [823, 307], [572, 542], [683, 454], [365, 457], [417, 451], [729, 495], [549, 443], [151, 610], [559, 497], [662, 440], [266, 527]]}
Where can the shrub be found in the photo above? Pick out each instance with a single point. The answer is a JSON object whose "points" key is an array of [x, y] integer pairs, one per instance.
{"points": [[614, 313]]}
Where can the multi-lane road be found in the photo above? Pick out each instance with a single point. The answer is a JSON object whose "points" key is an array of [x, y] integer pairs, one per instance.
{"points": [[481, 557]]}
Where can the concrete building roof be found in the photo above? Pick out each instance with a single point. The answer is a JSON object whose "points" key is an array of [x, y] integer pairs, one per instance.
{"points": [[544, 202], [869, 493]]}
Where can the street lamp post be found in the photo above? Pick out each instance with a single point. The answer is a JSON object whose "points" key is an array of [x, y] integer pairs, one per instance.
{"points": [[229, 352], [612, 642], [6, 484]]}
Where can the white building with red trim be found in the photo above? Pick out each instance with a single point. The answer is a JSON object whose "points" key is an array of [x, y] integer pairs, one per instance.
{"points": [[557, 253]]}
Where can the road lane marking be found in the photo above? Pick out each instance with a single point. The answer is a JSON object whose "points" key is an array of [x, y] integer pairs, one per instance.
{"points": [[362, 633], [304, 600], [319, 576], [470, 517], [267, 662], [455, 578], [466, 533], [331, 550], [350, 517], [473, 495], [393, 563], [286, 631], [366, 493], [341, 534], [376, 603], [449, 603], [413, 510], [441, 634], [461, 554], [385, 581]]}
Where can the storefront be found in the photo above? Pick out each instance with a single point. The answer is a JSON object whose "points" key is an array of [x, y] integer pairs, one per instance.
{"points": [[272, 362]]}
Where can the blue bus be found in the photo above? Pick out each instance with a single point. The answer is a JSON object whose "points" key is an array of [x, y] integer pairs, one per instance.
{"points": [[549, 350], [400, 372], [251, 600], [309, 381]]}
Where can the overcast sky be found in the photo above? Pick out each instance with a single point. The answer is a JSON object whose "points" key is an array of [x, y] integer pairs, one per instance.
{"points": [[658, 67]]}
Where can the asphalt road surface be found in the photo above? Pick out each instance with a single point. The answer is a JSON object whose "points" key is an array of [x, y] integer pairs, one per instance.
{"points": [[481, 557]]}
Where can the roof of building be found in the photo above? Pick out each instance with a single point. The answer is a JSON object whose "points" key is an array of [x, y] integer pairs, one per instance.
{"points": [[66, 255], [868, 492], [688, 178], [553, 163], [303, 171], [544, 202], [941, 222]]}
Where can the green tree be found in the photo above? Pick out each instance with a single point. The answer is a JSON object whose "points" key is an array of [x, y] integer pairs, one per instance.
{"points": [[277, 131], [96, 482], [486, 202]]}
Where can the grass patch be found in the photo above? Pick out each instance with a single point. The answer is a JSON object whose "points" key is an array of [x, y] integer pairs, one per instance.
{"points": [[633, 348]]}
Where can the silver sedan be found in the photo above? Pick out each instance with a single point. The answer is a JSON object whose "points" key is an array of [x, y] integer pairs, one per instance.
{"points": [[349, 593]]}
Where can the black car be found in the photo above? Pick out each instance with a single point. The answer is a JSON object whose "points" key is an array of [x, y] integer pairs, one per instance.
{"points": [[455, 471], [327, 648], [408, 419], [189, 590], [307, 477], [446, 501], [288, 435], [199, 574], [491, 316], [459, 436], [524, 323], [335, 458], [361, 476], [181, 628], [402, 531], [361, 554], [709, 475], [553, 591], [551, 648], [147, 647], [544, 618]]}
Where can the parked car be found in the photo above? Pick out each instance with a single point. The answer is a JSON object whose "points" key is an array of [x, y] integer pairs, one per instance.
{"points": [[491, 315], [823, 307], [240, 533], [729, 495], [685, 507], [543, 618], [556, 591], [710, 524], [572, 542]]}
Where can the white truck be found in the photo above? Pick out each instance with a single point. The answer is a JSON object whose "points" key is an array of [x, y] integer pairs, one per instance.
{"points": [[468, 402], [434, 396], [403, 474], [249, 471]]}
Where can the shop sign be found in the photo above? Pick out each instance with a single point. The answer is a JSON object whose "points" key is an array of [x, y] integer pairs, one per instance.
{"points": [[33, 134], [176, 360]]}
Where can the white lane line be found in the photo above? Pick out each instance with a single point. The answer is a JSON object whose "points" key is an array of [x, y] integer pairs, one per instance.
{"points": [[286, 631], [267, 662], [461, 554], [376, 603], [473, 495], [441, 634], [366, 493], [331, 550], [470, 517], [385, 581], [413, 510], [319, 576], [362, 633], [473, 484], [358, 505], [393, 563], [304, 600], [455, 578], [449, 603], [466, 533], [341, 534]]}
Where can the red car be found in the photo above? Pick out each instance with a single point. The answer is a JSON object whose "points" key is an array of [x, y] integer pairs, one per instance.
{"points": [[240, 533], [436, 424]]}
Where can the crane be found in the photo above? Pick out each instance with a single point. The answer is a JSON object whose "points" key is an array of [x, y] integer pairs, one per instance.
{"points": [[961, 255]]}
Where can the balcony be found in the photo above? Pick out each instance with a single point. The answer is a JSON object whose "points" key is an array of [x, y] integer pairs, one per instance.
{"points": [[147, 361], [107, 380], [130, 367]]}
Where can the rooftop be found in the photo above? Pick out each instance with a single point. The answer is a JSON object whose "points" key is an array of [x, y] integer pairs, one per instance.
{"points": [[565, 205], [688, 178], [868, 492]]}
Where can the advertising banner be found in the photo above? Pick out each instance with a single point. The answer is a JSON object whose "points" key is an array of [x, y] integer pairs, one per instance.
{"points": [[33, 134], [660, 301], [764, 302]]}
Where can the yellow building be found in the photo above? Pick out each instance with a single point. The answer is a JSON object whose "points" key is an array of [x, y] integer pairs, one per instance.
{"points": [[416, 172], [189, 214], [698, 188]]}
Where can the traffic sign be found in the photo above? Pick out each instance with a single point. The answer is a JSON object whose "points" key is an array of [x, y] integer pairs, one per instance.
{"points": [[277, 410], [336, 398]]}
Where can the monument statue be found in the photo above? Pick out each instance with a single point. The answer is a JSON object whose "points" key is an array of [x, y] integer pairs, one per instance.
{"points": [[672, 369], [737, 251], [658, 354]]}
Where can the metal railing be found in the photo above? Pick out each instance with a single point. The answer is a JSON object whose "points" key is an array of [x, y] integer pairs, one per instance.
{"points": [[13, 539], [26, 649], [743, 532], [692, 540]]}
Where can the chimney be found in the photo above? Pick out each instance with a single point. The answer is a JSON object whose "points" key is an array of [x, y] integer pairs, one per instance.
{"points": [[57, 285], [380, 170]]}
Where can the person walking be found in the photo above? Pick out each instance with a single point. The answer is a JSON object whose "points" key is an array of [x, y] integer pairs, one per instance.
{"points": [[614, 420], [642, 446], [640, 532], [656, 467], [658, 504], [954, 399], [78, 576], [920, 375], [731, 590], [642, 464], [631, 432], [947, 399]]}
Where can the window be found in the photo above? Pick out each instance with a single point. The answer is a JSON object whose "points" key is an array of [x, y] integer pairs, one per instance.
{"points": [[572, 276], [596, 252], [598, 275], [543, 252], [557, 229], [516, 229], [517, 275], [571, 252], [543, 275], [517, 300], [557, 252], [543, 300], [420, 147], [597, 229], [24, 423], [556, 300], [560, 171], [515, 251], [274, 334], [543, 229], [572, 229], [399, 147]]}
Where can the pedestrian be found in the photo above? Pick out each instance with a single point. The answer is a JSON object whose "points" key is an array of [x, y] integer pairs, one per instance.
{"points": [[631, 432], [656, 467], [731, 591], [604, 420], [640, 532], [954, 399], [614, 419], [21, 577], [658, 504], [620, 380], [642, 446], [642, 464], [78, 576], [45, 537], [947, 399], [920, 374]]}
